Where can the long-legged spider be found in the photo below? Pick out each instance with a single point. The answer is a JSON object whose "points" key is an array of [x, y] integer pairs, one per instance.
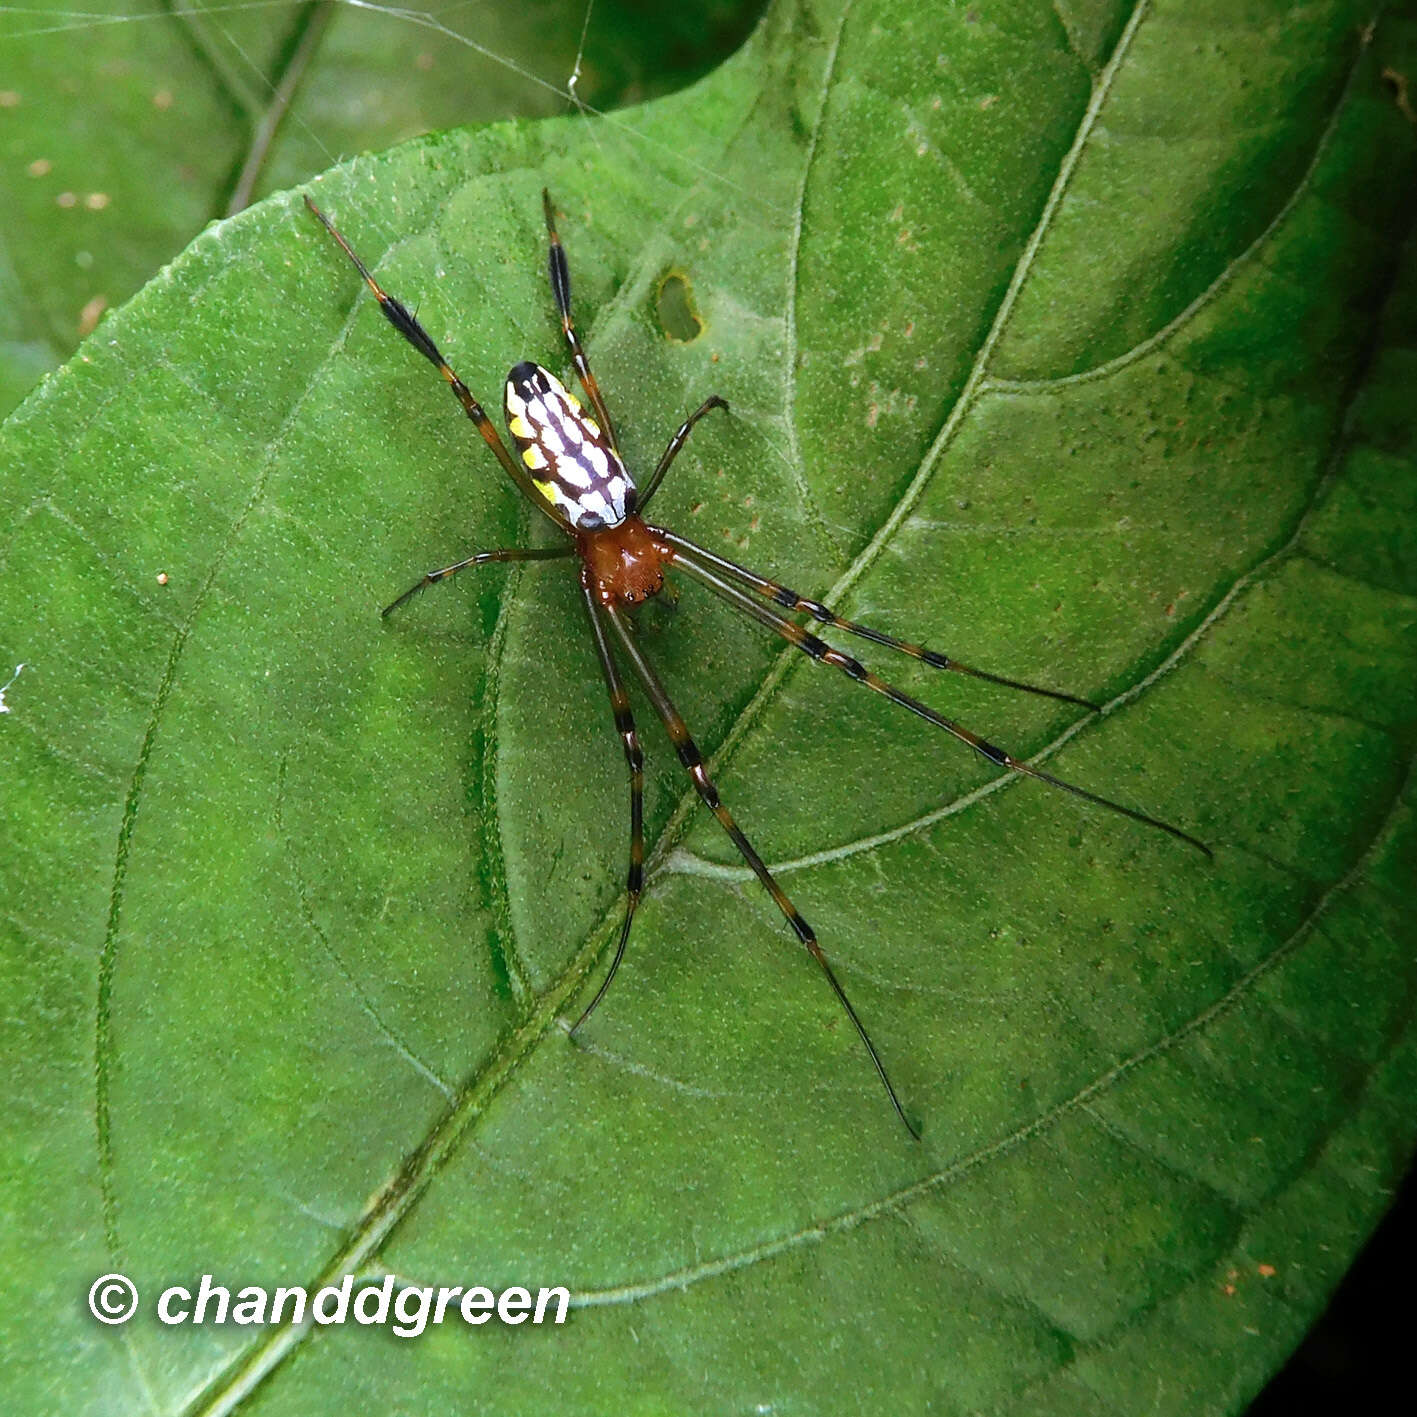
{"points": [[570, 468]]}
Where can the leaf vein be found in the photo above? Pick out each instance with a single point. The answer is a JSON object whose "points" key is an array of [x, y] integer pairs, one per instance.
{"points": [[108, 952], [302, 892], [794, 252], [788, 660], [905, 1196], [1216, 288]]}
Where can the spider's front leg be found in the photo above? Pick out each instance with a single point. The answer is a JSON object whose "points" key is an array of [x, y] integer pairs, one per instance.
{"points": [[779, 594], [823, 653], [561, 291]]}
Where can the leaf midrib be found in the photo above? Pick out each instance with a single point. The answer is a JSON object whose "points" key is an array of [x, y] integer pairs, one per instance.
{"points": [[242, 1379], [788, 659]]}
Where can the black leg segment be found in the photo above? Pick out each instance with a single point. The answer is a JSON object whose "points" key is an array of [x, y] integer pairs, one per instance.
{"points": [[635, 762], [561, 290], [821, 651], [790, 600], [403, 321], [675, 444], [693, 762], [479, 558]]}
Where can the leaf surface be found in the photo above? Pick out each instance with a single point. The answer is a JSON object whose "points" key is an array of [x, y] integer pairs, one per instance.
{"points": [[1033, 354]]}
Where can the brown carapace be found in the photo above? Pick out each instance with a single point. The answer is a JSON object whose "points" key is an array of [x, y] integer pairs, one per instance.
{"points": [[568, 464], [623, 565]]}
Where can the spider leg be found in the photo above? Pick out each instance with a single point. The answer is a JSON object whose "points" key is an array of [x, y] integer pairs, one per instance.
{"points": [[561, 289], [818, 649], [634, 760], [693, 762], [478, 558], [402, 319], [675, 443], [790, 600]]}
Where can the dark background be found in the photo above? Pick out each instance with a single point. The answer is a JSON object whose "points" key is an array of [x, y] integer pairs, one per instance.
{"points": [[1357, 1356]]}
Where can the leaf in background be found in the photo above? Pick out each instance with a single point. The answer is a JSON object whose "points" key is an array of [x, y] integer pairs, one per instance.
{"points": [[1076, 340], [125, 126]]}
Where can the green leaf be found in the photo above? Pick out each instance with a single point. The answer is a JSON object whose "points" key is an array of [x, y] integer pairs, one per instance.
{"points": [[217, 102], [1073, 340]]}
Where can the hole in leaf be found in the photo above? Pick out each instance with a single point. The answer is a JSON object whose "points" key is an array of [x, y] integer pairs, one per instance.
{"points": [[674, 304]]}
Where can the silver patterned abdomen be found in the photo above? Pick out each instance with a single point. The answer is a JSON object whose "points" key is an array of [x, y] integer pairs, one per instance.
{"points": [[566, 452]]}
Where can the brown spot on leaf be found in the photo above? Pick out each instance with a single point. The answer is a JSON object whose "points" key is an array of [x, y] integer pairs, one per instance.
{"points": [[1396, 80], [90, 315]]}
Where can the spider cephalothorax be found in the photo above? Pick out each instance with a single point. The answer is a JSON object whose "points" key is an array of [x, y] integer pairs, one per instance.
{"points": [[569, 466], [624, 564]]}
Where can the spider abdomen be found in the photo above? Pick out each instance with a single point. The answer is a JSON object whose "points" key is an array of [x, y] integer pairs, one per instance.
{"points": [[568, 455]]}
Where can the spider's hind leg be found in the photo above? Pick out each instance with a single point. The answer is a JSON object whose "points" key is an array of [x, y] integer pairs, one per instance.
{"points": [[693, 762], [634, 760], [404, 321]]}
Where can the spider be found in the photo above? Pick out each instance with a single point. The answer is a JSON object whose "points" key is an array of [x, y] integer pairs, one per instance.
{"points": [[569, 467]]}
